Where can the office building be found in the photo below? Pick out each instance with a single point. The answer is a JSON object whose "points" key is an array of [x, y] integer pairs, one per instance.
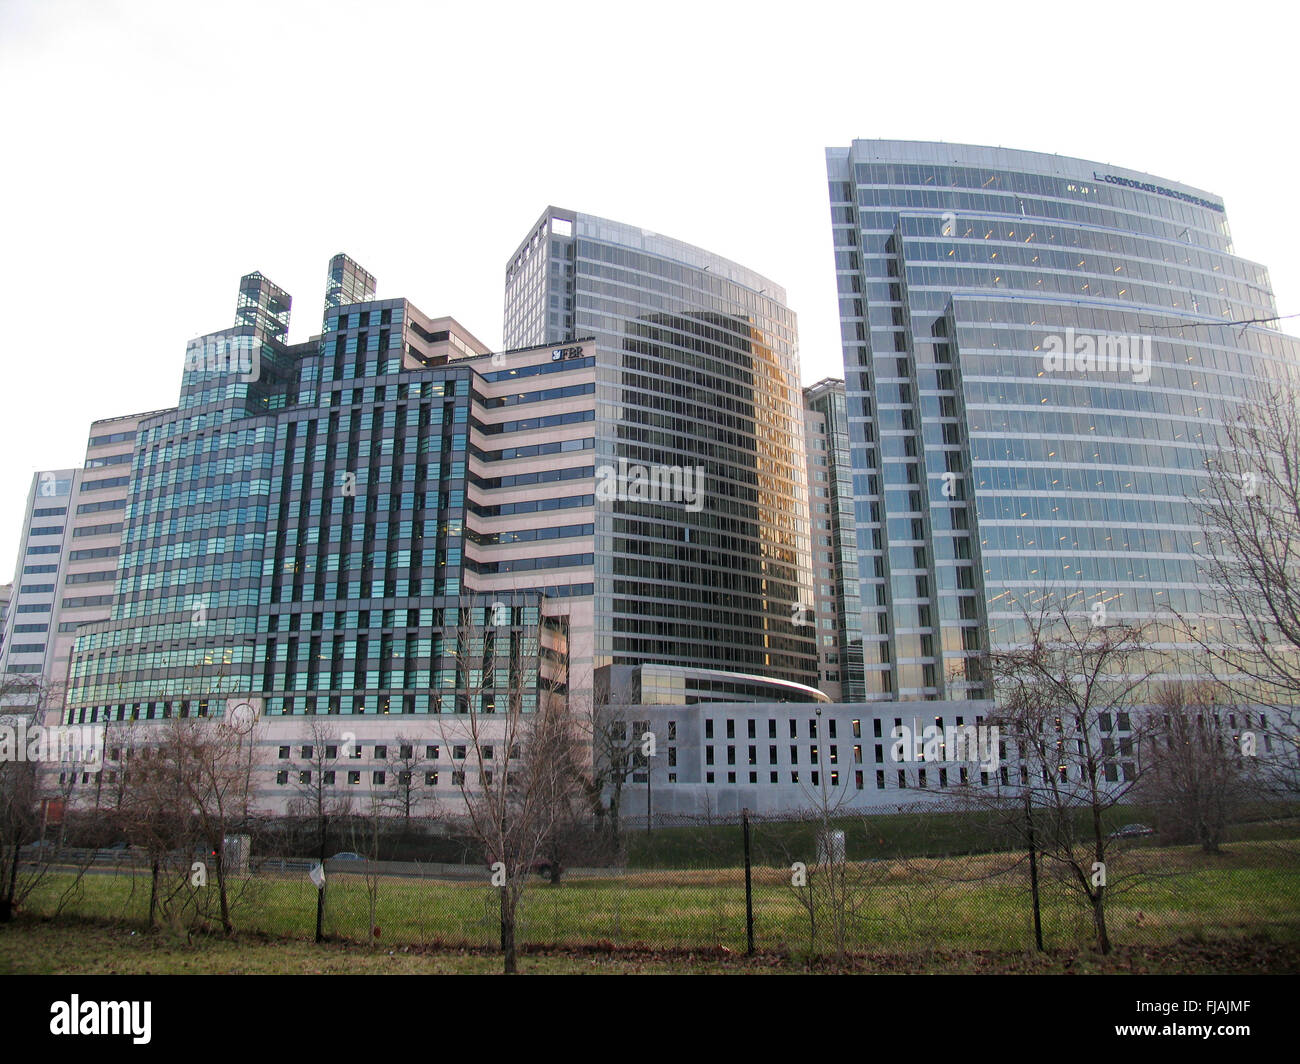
{"points": [[1036, 350], [25, 659], [836, 612], [305, 528], [702, 549]]}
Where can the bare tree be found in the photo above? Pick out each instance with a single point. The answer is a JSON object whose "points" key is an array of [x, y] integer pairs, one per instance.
{"points": [[20, 818], [1066, 699], [510, 780], [23, 804], [216, 776], [1250, 557], [366, 831], [404, 760], [615, 753], [314, 779], [1196, 776], [155, 813]]}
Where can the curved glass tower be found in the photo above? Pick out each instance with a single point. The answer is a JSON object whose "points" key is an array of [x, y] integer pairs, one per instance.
{"points": [[696, 371], [1036, 350]]}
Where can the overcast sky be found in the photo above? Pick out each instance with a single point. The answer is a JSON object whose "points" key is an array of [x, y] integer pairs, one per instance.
{"points": [[155, 151]]}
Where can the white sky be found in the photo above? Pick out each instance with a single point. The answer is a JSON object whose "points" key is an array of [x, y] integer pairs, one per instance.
{"points": [[155, 151]]}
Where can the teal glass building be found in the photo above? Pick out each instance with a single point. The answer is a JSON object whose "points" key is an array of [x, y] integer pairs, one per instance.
{"points": [[308, 524]]}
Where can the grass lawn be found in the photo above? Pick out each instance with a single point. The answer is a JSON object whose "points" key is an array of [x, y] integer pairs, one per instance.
{"points": [[911, 907], [887, 836], [29, 947]]}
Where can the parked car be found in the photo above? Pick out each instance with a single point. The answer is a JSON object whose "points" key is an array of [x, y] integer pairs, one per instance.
{"points": [[347, 855], [1132, 831]]}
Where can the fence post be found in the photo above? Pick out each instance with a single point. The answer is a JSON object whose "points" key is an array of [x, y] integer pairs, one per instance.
{"points": [[1033, 873], [749, 889], [320, 894]]}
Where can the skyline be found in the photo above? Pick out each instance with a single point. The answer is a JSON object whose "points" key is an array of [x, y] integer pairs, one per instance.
{"points": [[155, 175]]}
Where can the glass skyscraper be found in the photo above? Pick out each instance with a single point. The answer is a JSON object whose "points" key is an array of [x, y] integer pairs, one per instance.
{"points": [[838, 612], [1036, 350], [696, 370], [305, 527]]}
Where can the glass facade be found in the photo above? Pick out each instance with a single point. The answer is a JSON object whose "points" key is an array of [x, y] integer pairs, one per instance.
{"points": [[309, 523], [696, 371], [29, 627], [838, 607], [348, 283], [1036, 352]]}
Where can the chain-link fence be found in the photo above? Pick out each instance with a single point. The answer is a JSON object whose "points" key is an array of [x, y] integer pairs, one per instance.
{"points": [[902, 884]]}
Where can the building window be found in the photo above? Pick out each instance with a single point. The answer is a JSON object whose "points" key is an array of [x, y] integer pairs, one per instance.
{"points": [[354, 777], [284, 753], [431, 778], [282, 777]]}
